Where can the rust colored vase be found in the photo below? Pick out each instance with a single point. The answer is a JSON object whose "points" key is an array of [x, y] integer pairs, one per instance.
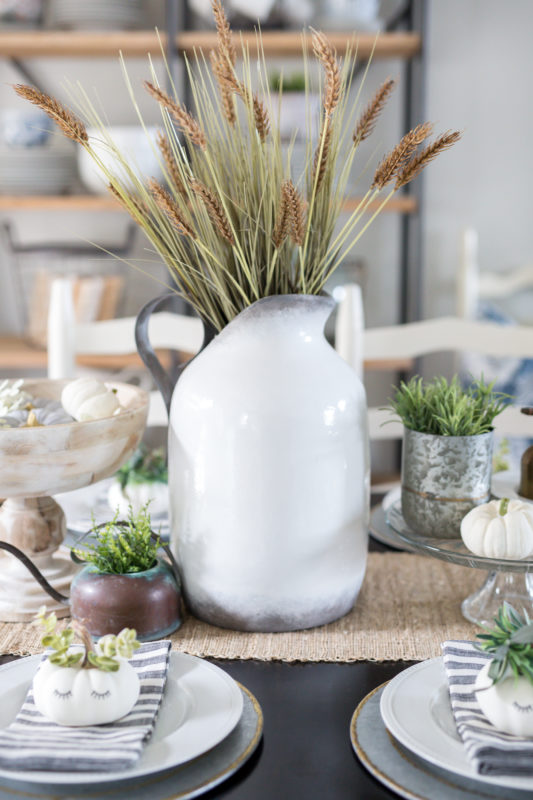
{"points": [[148, 601]]}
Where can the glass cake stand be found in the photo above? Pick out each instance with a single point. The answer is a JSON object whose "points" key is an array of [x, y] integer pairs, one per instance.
{"points": [[507, 579]]}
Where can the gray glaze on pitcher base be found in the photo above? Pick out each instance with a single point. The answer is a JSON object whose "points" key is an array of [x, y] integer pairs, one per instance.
{"points": [[443, 477]]}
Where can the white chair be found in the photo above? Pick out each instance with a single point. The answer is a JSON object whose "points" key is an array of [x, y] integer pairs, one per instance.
{"points": [[168, 331], [448, 334], [475, 284]]}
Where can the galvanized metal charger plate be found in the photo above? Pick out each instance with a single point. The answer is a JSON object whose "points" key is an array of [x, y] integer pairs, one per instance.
{"points": [[404, 773], [186, 781]]}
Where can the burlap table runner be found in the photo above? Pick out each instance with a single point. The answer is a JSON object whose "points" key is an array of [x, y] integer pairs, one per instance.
{"points": [[408, 605]]}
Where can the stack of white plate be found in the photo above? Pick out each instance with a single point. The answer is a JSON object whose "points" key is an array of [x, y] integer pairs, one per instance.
{"points": [[50, 169], [96, 15]]}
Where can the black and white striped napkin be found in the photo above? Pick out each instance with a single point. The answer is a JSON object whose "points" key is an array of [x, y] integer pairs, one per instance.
{"points": [[491, 751], [32, 742]]}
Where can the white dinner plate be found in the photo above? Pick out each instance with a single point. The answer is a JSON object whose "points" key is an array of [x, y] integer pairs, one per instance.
{"points": [[201, 705], [416, 710]]}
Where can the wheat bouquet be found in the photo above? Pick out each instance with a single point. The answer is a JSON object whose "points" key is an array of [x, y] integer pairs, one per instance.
{"points": [[230, 222]]}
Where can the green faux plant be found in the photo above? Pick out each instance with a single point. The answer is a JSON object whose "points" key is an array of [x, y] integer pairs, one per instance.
{"points": [[510, 644], [144, 466], [109, 647], [446, 408], [122, 546]]}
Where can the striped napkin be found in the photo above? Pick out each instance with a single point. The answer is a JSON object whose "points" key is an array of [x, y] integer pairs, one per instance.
{"points": [[492, 752], [34, 743]]}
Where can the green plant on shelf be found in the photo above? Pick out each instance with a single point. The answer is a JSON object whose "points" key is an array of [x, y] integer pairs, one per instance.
{"points": [[122, 546], [290, 83]]}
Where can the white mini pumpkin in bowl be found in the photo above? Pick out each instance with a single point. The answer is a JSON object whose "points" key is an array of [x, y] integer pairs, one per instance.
{"points": [[80, 686], [86, 399], [499, 529]]}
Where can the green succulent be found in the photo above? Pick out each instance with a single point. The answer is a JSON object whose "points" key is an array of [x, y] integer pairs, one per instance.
{"points": [[510, 644], [103, 658], [446, 408]]}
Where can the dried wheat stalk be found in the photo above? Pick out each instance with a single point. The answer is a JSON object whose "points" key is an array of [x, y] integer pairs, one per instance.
{"points": [[134, 201], [168, 205], [296, 213], [222, 75], [226, 47], [422, 159], [332, 88], [170, 163], [214, 209], [69, 123], [186, 122], [368, 119], [321, 156], [393, 163], [281, 228]]}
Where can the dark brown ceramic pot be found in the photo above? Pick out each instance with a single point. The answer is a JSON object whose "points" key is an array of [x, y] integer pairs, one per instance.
{"points": [[148, 601]]}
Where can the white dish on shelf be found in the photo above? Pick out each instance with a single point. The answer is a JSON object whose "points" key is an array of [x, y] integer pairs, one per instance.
{"points": [[138, 147], [416, 710], [201, 705]]}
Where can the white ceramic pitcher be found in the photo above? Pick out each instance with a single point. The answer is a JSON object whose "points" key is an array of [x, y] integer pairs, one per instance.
{"points": [[269, 472]]}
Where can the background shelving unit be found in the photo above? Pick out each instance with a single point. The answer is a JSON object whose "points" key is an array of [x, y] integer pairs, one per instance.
{"points": [[404, 42]]}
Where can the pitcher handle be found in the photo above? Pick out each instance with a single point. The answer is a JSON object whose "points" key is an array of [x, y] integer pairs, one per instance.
{"points": [[161, 377]]}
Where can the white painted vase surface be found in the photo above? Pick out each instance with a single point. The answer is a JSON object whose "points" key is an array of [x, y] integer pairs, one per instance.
{"points": [[269, 472]]}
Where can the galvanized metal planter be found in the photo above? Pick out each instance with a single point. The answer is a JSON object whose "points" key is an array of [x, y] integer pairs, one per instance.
{"points": [[443, 477]]}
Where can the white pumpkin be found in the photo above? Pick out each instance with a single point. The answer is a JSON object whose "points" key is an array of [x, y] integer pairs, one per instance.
{"points": [[138, 495], [75, 696], [86, 399], [499, 529], [508, 704]]}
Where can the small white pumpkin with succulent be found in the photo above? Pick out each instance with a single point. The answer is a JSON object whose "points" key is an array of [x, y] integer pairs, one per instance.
{"points": [[504, 687], [78, 685], [499, 529]]}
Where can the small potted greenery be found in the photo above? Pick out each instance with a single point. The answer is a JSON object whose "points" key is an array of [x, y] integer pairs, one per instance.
{"points": [[79, 685], [447, 450], [125, 584], [504, 687]]}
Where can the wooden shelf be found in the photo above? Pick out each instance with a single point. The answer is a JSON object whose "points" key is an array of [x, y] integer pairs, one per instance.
{"points": [[61, 202], [96, 44], [289, 43], [403, 204]]}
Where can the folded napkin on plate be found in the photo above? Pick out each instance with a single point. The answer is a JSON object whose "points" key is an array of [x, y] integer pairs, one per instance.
{"points": [[491, 751], [33, 742]]}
